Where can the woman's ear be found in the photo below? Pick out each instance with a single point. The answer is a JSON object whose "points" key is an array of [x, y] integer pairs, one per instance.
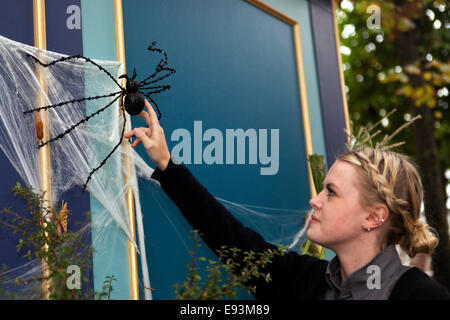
{"points": [[378, 215]]}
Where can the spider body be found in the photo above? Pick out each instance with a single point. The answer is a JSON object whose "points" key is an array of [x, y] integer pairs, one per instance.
{"points": [[133, 100], [132, 96]]}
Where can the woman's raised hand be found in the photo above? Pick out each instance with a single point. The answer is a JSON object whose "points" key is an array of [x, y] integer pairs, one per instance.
{"points": [[152, 137]]}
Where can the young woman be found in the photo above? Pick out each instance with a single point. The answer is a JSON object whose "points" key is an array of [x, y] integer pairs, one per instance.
{"points": [[370, 202]]}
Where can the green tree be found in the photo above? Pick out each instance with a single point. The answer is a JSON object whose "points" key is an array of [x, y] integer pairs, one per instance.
{"points": [[235, 269], [44, 236], [404, 64]]}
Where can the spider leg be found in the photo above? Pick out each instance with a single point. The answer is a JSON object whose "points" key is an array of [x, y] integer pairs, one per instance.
{"points": [[79, 122], [109, 155], [154, 103], [158, 89], [154, 74], [146, 82], [70, 101], [45, 65], [163, 61], [161, 65]]}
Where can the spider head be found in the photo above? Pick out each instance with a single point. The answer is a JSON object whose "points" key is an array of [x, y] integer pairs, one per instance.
{"points": [[132, 85]]}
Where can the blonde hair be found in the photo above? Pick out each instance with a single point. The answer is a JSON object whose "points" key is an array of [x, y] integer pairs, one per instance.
{"points": [[393, 179]]}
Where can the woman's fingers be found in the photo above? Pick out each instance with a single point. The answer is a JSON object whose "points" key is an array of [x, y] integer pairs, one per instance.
{"points": [[141, 135], [144, 115], [138, 133], [154, 123], [135, 143], [129, 134], [150, 117], [152, 138]]}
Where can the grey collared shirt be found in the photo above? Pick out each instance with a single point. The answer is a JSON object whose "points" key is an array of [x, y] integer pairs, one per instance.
{"points": [[374, 281]]}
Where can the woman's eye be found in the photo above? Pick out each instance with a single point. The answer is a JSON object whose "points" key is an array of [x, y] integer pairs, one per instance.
{"points": [[331, 193]]}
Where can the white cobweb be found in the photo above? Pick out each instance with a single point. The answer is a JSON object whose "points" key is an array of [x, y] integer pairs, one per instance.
{"points": [[74, 155]]}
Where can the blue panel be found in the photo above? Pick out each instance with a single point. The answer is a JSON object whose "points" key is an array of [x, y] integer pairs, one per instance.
{"points": [[236, 68], [99, 43], [16, 23], [63, 24], [67, 41], [63, 35], [8, 240], [299, 11], [329, 82]]}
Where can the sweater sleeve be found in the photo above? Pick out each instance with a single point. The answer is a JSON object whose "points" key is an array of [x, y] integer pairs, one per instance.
{"points": [[293, 276], [415, 284]]}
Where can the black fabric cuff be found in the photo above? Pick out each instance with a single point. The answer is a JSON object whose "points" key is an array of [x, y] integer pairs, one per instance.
{"points": [[159, 175]]}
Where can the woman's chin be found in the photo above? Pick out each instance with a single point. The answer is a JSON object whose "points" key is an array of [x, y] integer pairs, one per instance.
{"points": [[313, 235]]}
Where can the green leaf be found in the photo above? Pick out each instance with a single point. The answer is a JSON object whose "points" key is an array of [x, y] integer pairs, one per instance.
{"points": [[405, 24], [318, 170]]}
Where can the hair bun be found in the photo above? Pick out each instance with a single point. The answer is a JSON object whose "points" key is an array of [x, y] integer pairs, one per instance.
{"points": [[422, 239]]}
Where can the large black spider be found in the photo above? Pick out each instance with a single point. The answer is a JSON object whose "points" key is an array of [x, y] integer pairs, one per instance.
{"points": [[132, 96]]}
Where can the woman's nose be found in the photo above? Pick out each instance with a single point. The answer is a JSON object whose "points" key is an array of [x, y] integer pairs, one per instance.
{"points": [[314, 203]]}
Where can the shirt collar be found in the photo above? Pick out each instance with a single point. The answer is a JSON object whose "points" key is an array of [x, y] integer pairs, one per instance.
{"points": [[373, 281]]}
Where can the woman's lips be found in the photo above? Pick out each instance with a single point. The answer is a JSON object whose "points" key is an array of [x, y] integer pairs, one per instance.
{"points": [[314, 219]]}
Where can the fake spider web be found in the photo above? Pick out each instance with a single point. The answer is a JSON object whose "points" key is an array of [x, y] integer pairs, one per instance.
{"points": [[75, 155]]}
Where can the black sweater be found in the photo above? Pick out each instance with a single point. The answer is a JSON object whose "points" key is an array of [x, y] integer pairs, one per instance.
{"points": [[294, 276]]}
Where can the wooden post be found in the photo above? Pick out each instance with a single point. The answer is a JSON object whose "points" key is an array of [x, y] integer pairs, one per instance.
{"points": [[42, 129], [132, 254]]}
